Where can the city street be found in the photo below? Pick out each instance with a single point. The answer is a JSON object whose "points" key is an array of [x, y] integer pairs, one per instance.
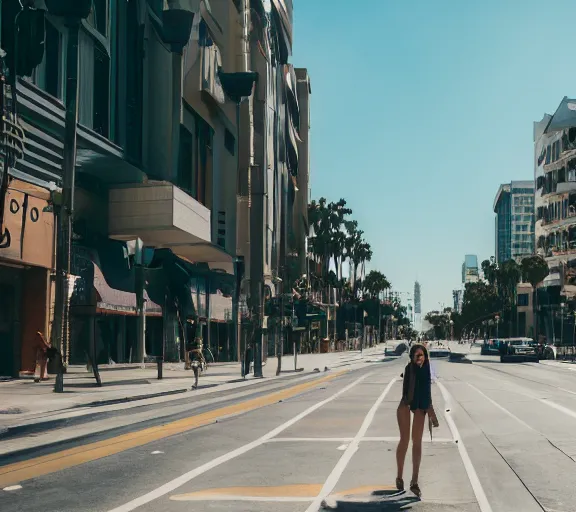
{"points": [[326, 442]]}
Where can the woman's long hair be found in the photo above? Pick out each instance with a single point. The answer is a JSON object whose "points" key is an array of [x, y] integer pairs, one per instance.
{"points": [[413, 350]]}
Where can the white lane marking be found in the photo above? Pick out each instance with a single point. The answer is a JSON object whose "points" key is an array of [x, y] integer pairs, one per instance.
{"points": [[504, 410], [559, 407], [554, 405], [12, 488], [285, 499], [156, 452], [342, 447], [472, 475], [395, 439], [336, 473], [190, 475], [310, 439]]}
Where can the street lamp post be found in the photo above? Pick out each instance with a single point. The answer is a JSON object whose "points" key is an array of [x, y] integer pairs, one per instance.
{"points": [[497, 318], [72, 11], [562, 306]]}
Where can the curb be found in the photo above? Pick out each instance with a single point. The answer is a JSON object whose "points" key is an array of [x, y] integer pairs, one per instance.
{"points": [[40, 426]]}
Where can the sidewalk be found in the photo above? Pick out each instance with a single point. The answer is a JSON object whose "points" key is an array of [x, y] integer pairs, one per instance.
{"points": [[27, 403]]}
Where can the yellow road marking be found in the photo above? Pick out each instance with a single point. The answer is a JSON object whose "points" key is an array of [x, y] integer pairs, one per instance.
{"points": [[39, 466], [281, 491], [365, 489]]}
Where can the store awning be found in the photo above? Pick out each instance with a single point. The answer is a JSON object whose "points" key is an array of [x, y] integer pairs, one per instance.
{"points": [[112, 301]]}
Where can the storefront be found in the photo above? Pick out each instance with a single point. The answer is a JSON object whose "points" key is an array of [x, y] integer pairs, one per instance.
{"points": [[26, 261]]}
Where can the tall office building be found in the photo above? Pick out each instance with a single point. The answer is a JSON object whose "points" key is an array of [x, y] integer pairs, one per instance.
{"points": [[470, 272], [417, 298], [514, 223], [417, 306]]}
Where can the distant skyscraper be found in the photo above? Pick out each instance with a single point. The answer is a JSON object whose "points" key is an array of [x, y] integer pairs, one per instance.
{"points": [[470, 273], [417, 299], [417, 307], [458, 295]]}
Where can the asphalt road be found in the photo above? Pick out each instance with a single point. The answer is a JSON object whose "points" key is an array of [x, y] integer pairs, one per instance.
{"points": [[506, 442]]}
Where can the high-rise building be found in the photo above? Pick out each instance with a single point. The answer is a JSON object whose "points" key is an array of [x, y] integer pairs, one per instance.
{"points": [[417, 307], [417, 298], [458, 296], [470, 273], [514, 223]]}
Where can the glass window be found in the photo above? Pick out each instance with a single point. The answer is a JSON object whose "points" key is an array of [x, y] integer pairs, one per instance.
{"points": [[99, 16], [548, 154]]}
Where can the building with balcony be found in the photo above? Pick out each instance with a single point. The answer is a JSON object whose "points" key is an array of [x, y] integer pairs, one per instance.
{"points": [[177, 177], [555, 204], [514, 223]]}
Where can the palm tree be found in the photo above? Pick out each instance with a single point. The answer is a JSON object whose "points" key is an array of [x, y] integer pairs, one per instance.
{"points": [[490, 270], [534, 270], [375, 283]]}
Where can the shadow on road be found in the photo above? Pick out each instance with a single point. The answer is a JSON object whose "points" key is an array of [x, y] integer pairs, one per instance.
{"points": [[381, 501]]}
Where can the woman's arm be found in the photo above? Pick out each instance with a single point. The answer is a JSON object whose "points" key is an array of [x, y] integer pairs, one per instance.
{"points": [[405, 384], [45, 344]]}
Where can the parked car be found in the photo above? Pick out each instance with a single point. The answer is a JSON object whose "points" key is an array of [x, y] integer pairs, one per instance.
{"points": [[521, 346], [491, 347]]}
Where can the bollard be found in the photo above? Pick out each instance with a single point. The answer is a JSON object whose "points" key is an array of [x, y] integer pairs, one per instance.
{"points": [[159, 363]]}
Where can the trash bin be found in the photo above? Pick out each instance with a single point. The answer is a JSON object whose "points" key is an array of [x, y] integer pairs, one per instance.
{"points": [[325, 346]]}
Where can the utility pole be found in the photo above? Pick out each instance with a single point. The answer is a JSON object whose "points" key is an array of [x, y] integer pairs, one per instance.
{"points": [[140, 355]]}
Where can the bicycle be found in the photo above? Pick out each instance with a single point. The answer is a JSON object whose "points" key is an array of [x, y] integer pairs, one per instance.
{"points": [[211, 360]]}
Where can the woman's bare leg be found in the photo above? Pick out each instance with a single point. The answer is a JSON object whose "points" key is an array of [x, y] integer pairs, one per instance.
{"points": [[403, 416], [417, 432]]}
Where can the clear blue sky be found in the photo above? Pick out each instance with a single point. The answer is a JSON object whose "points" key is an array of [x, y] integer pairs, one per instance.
{"points": [[420, 109]]}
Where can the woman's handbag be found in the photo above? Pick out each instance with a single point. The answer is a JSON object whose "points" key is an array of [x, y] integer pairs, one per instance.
{"points": [[432, 420]]}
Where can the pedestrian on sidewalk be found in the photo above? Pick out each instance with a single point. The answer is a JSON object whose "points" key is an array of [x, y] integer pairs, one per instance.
{"points": [[416, 397], [42, 347], [197, 361]]}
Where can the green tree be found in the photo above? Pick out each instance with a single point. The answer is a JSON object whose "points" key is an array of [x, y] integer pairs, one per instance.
{"points": [[375, 283], [490, 270], [480, 302], [534, 270], [440, 321]]}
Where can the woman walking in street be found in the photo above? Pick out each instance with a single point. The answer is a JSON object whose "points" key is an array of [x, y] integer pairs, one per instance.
{"points": [[416, 397]]}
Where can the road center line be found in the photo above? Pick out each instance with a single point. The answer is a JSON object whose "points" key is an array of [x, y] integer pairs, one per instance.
{"points": [[352, 448], [472, 475], [190, 475]]}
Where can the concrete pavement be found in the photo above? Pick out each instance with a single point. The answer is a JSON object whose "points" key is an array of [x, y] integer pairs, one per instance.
{"points": [[130, 396], [505, 443]]}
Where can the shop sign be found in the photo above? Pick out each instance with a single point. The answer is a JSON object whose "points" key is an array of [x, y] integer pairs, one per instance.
{"points": [[28, 231], [315, 326]]}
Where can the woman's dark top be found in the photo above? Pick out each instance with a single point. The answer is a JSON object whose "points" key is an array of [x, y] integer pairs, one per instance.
{"points": [[417, 388]]}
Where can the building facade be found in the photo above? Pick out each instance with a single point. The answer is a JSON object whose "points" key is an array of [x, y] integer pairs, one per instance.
{"points": [[555, 203], [514, 222], [186, 171], [470, 270], [525, 310]]}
